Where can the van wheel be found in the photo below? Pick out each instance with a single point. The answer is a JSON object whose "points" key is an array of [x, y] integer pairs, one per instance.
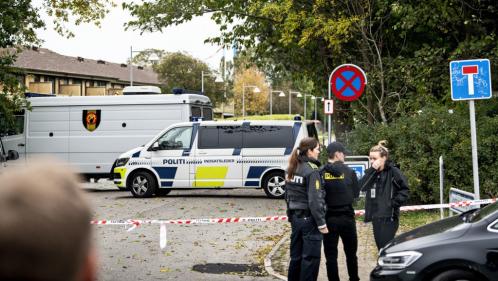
{"points": [[142, 184], [163, 191], [274, 185], [456, 274]]}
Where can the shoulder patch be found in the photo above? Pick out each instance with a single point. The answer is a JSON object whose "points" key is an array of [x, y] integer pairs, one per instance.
{"points": [[313, 166]]}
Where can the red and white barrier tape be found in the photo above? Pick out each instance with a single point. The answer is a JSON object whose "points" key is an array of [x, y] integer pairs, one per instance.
{"points": [[162, 241], [438, 206]]}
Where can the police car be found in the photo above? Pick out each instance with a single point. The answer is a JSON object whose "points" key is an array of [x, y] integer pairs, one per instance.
{"points": [[213, 154]]}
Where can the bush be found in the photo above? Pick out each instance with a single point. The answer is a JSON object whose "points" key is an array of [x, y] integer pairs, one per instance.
{"points": [[416, 142]]}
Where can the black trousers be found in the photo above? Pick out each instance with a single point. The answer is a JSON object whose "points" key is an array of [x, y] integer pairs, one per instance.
{"points": [[343, 226], [305, 249], [384, 230]]}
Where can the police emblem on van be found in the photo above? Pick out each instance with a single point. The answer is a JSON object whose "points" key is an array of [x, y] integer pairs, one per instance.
{"points": [[91, 119]]}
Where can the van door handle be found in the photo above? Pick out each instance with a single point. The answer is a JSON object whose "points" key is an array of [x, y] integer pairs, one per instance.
{"points": [[20, 144]]}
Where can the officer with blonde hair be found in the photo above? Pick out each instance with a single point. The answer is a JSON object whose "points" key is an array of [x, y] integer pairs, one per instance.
{"points": [[45, 231], [386, 190]]}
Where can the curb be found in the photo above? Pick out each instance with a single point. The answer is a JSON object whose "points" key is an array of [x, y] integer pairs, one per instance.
{"points": [[268, 266]]}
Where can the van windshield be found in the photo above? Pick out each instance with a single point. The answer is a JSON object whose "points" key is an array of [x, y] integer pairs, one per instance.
{"points": [[12, 127]]}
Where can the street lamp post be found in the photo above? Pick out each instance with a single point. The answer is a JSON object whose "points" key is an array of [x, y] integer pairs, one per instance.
{"points": [[153, 57], [314, 98], [298, 94], [256, 90], [281, 94], [203, 74]]}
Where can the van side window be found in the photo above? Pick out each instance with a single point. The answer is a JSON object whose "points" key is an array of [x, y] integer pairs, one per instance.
{"points": [[208, 137], [268, 137], [220, 137], [15, 128], [176, 138], [207, 113], [230, 136]]}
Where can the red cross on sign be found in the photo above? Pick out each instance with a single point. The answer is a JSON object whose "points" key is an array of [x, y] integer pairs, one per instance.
{"points": [[347, 82]]}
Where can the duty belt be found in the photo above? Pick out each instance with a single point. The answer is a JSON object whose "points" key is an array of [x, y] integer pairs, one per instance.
{"points": [[301, 213]]}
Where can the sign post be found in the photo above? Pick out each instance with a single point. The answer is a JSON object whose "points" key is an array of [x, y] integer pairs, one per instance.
{"points": [[471, 80], [347, 82]]}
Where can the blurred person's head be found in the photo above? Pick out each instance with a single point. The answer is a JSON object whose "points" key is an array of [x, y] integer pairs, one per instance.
{"points": [[45, 231]]}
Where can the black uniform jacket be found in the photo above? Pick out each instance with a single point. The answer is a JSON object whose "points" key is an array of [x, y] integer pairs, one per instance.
{"points": [[341, 187], [304, 191], [386, 191]]}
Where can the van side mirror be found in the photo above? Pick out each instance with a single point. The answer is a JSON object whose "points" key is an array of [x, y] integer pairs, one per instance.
{"points": [[155, 146], [12, 155]]}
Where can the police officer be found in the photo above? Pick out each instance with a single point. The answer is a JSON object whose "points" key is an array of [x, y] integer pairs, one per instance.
{"points": [[341, 188], [386, 191], [306, 210]]}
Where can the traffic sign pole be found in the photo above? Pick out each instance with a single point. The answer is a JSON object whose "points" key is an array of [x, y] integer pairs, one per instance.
{"points": [[347, 82], [471, 80], [473, 136], [329, 118]]}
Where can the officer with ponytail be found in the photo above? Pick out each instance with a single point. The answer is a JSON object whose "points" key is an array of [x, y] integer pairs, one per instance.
{"points": [[306, 210]]}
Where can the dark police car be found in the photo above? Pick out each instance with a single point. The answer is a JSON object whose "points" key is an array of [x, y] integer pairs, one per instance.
{"points": [[463, 247]]}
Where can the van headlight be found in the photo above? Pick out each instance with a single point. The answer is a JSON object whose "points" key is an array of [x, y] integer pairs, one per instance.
{"points": [[122, 161], [399, 260]]}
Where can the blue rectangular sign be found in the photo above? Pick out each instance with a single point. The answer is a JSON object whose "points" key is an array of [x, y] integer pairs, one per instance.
{"points": [[470, 79], [358, 168]]}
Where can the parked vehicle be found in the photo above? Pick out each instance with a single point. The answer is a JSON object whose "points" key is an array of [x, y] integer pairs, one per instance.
{"points": [[90, 132], [212, 154], [463, 247], [6, 155]]}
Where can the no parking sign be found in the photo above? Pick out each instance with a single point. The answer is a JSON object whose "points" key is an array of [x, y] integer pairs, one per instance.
{"points": [[347, 82]]}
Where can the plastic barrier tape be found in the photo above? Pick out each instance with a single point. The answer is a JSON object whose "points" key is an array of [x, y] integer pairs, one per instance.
{"points": [[162, 234]]}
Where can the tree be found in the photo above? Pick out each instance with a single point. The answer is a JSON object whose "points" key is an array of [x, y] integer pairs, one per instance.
{"points": [[246, 81], [180, 70], [404, 46], [18, 21], [144, 58]]}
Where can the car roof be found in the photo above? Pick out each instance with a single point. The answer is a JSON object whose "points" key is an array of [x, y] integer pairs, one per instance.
{"points": [[241, 122]]}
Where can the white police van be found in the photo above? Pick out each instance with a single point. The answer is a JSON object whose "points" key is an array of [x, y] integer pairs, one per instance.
{"points": [[89, 132], [213, 154]]}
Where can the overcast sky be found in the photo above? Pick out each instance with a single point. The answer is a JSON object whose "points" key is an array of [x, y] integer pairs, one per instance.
{"points": [[112, 43]]}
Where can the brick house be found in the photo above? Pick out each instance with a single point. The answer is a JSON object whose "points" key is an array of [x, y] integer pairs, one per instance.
{"points": [[47, 72]]}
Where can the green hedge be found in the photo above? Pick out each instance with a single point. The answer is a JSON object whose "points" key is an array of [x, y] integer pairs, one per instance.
{"points": [[416, 142]]}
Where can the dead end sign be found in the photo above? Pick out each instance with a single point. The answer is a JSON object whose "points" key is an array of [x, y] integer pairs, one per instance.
{"points": [[347, 82]]}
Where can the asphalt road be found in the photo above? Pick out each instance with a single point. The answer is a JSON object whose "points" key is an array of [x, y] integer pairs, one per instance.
{"points": [[231, 251]]}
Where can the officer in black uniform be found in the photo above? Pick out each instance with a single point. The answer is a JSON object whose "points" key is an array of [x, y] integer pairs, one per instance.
{"points": [[341, 188], [306, 210]]}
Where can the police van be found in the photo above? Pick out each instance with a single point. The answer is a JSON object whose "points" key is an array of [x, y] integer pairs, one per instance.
{"points": [[213, 154], [90, 132]]}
